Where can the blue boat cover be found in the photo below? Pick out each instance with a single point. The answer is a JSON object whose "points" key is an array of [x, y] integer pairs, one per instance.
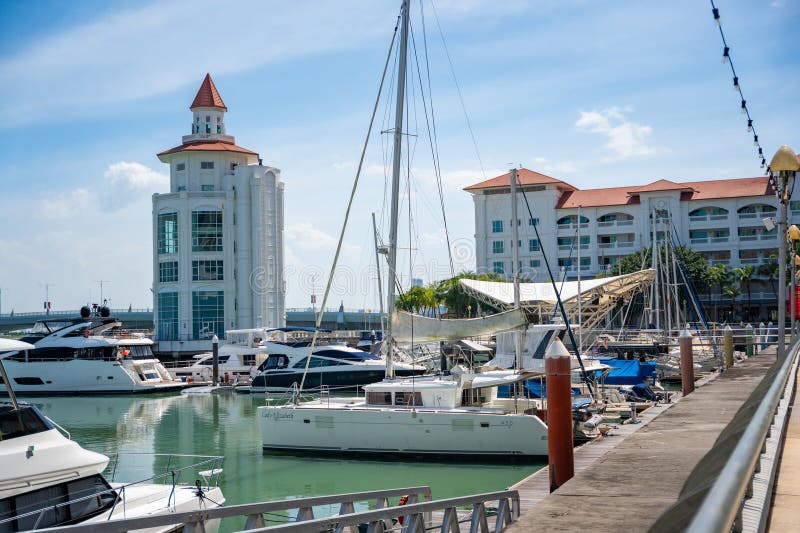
{"points": [[534, 389], [625, 372]]}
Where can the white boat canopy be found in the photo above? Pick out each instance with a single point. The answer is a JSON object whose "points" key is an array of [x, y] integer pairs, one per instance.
{"points": [[9, 345], [409, 327], [598, 296]]}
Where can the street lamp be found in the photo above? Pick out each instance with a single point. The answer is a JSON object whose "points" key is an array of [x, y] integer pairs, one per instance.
{"points": [[793, 235], [786, 165]]}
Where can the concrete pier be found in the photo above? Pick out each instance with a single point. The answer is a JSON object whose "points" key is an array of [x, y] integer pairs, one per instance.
{"points": [[639, 475]]}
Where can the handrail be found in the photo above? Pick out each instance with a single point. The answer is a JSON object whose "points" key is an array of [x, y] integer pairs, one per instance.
{"points": [[413, 513], [725, 498], [247, 509]]}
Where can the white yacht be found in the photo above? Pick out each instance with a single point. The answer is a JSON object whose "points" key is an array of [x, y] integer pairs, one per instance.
{"points": [[238, 358], [447, 415], [48, 480], [331, 365], [89, 354]]}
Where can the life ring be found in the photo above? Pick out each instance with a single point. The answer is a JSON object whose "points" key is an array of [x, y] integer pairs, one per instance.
{"points": [[403, 501]]}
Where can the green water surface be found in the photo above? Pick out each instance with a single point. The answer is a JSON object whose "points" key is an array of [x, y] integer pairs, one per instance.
{"points": [[226, 424]]}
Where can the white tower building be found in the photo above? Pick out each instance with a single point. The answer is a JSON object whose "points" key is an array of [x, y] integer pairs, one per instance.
{"points": [[217, 236]]}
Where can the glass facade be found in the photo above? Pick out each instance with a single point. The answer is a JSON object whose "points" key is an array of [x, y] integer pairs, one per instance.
{"points": [[497, 247], [206, 270], [498, 267], [168, 233], [533, 245], [168, 316], [207, 231], [167, 271], [497, 226], [208, 314]]}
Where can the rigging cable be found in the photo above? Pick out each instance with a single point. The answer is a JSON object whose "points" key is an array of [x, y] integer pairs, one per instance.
{"points": [[564, 316], [458, 89], [349, 206]]}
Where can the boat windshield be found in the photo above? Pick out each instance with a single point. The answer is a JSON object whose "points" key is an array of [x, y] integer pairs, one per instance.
{"points": [[135, 351], [20, 422]]}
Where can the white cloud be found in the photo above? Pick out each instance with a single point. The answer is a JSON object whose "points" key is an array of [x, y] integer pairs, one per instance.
{"points": [[776, 4], [128, 182], [60, 205], [546, 166], [304, 237], [626, 139]]}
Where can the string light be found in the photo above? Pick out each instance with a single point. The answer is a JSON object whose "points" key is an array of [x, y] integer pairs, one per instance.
{"points": [[726, 58]]}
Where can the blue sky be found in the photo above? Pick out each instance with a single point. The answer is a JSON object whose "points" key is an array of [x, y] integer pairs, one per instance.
{"points": [[597, 93]]}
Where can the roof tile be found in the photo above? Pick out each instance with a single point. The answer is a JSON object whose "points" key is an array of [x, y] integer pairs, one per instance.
{"points": [[208, 95]]}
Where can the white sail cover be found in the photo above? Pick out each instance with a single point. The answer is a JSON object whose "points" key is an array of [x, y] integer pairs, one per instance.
{"points": [[408, 327]]}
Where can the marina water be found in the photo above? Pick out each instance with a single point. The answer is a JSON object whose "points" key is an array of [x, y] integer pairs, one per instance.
{"points": [[225, 424]]}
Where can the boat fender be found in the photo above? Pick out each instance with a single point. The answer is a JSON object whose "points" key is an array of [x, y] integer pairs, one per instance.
{"points": [[403, 501]]}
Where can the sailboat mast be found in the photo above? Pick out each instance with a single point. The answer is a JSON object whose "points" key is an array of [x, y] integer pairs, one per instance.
{"points": [[580, 294], [378, 268], [515, 260], [396, 160]]}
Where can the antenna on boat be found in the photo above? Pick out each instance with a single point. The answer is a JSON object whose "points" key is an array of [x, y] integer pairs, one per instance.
{"points": [[378, 267], [395, 199]]}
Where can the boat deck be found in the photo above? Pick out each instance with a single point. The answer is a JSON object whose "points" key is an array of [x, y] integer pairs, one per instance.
{"points": [[639, 470]]}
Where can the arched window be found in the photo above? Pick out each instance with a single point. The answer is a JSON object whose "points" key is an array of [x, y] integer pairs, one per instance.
{"points": [[756, 211]]}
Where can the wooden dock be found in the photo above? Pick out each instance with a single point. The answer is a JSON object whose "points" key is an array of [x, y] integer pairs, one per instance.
{"points": [[627, 480]]}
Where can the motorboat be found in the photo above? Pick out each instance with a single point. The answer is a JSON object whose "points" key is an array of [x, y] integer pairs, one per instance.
{"points": [[49, 480], [88, 354], [331, 366], [238, 358]]}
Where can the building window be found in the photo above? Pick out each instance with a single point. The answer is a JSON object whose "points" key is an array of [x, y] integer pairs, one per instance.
{"points": [[535, 263], [233, 167], [565, 262], [208, 314], [586, 261], [180, 166], [181, 188], [206, 188], [207, 271], [498, 267], [533, 245], [497, 247], [497, 226], [206, 165], [168, 316], [168, 272], [533, 221], [207, 231], [168, 233]]}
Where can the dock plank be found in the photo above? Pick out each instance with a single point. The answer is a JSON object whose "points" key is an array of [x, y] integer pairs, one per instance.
{"points": [[640, 469]]}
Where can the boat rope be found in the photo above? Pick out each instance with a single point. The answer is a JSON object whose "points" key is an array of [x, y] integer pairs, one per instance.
{"points": [[458, 90], [430, 123], [349, 206], [564, 316]]}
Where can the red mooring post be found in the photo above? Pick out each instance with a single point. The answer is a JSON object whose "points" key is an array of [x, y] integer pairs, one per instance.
{"points": [[687, 362], [559, 415]]}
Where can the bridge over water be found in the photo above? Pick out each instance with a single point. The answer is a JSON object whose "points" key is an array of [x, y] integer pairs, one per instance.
{"points": [[353, 319]]}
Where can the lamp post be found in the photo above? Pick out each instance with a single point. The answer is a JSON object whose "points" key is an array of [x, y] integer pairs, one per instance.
{"points": [[793, 235], [783, 167]]}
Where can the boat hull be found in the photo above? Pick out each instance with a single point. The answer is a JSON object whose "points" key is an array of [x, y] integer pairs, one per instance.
{"points": [[78, 376], [401, 432]]}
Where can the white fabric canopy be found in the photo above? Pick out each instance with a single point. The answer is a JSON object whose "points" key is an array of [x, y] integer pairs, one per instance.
{"points": [[408, 327], [502, 292]]}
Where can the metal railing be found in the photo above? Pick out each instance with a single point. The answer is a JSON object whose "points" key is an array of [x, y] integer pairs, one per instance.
{"points": [[722, 507], [416, 515]]}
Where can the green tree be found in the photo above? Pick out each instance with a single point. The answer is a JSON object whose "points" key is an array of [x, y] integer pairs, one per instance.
{"points": [[769, 271], [697, 269], [452, 295], [744, 275], [731, 291]]}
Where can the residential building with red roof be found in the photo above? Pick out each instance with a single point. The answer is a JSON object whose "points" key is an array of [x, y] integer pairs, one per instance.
{"points": [[720, 219], [217, 235]]}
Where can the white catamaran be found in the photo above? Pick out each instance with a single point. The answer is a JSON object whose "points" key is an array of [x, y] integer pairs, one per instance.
{"points": [[456, 413]]}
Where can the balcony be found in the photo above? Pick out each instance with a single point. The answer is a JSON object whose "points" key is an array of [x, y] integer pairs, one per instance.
{"points": [[568, 247], [614, 223], [614, 245], [573, 226], [707, 218]]}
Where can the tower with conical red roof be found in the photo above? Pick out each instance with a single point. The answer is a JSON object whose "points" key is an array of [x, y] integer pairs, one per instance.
{"points": [[217, 235]]}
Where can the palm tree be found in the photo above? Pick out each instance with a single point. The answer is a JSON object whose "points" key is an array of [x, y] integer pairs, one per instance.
{"points": [[769, 270], [744, 276], [731, 291], [718, 273]]}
